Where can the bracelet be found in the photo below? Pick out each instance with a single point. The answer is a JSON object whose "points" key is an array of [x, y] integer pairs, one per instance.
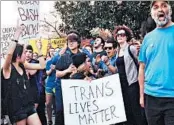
{"points": [[40, 56], [14, 40]]}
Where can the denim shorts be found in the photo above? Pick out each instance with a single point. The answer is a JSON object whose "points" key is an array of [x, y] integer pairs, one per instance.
{"points": [[49, 90], [50, 87]]}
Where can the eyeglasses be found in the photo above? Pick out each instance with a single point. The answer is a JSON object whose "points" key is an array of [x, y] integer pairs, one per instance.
{"points": [[110, 48], [121, 34]]}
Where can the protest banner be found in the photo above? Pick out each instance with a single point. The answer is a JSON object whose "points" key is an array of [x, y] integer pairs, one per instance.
{"points": [[29, 16], [44, 46], [98, 102], [55, 43], [7, 33], [58, 43]]}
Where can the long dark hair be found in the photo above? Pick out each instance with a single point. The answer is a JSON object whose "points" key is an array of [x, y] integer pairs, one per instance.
{"points": [[17, 52]]}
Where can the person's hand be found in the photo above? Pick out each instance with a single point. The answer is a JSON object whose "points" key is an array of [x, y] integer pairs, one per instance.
{"points": [[142, 101], [52, 67], [71, 68], [105, 59], [88, 79], [39, 46], [99, 73], [19, 30], [98, 58]]}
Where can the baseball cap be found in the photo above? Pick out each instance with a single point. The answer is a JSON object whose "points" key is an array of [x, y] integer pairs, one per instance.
{"points": [[153, 1]]}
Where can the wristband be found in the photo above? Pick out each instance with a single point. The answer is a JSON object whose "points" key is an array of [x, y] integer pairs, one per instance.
{"points": [[16, 41]]}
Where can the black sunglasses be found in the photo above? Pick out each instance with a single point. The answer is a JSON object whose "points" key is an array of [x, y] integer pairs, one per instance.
{"points": [[121, 34], [108, 48]]}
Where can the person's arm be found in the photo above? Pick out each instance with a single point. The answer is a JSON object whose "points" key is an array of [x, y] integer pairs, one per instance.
{"points": [[141, 83], [11, 48], [7, 62], [111, 68], [60, 74], [32, 72], [52, 67], [36, 66]]}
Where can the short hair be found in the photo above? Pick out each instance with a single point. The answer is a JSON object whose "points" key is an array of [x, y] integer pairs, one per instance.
{"points": [[127, 30], [111, 40], [74, 35], [29, 47], [17, 52], [102, 40]]}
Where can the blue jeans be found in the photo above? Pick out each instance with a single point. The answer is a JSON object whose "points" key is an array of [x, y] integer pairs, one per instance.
{"points": [[159, 110]]}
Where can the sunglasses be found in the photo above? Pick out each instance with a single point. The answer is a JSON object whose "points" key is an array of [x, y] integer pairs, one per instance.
{"points": [[72, 41], [110, 48], [121, 34]]}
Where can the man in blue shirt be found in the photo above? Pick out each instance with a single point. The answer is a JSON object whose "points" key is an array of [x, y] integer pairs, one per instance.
{"points": [[156, 71]]}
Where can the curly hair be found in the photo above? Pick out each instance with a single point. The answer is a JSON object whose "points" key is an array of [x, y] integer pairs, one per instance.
{"points": [[127, 30]]}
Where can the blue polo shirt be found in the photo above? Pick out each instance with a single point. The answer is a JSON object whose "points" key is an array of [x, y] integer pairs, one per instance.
{"points": [[157, 53]]}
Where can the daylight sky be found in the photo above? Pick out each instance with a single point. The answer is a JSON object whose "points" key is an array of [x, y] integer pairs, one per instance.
{"points": [[9, 11]]}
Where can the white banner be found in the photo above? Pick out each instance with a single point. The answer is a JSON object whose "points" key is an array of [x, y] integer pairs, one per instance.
{"points": [[28, 12], [7, 33], [98, 102]]}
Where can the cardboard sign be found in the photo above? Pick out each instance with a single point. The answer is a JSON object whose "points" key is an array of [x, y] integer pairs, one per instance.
{"points": [[7, 33], [58, 43], [29, 16], [55, 43], [98, 102]]}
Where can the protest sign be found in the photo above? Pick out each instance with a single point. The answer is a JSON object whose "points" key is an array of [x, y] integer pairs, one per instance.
{"points": [[7, 33], [44, 46], [98, 102], [29, 16], [58, 43], [55, 43]]}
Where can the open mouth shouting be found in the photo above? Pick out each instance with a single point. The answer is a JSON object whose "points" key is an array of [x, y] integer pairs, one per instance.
{"points": [[161, 16]]}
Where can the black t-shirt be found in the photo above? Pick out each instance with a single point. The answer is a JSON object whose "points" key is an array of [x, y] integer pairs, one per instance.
{"points": [[64, 62]]}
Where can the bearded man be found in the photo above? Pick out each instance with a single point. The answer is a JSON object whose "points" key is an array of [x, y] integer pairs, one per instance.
{"points": [[156, 71]]}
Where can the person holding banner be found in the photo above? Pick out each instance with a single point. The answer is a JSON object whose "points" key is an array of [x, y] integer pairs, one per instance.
{"points": [[17, 100], [83, 67], [64, 68], [156, 67]]}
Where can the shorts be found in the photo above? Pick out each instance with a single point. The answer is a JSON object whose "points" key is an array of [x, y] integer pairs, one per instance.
{"points": [[23, 113], [50, 87], [49, 90]]}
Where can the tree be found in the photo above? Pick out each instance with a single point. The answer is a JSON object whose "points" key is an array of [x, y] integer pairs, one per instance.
{"points": [[85, 15], [51, 26]]}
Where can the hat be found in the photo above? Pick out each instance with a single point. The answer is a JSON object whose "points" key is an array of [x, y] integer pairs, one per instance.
{"points": [[78, 59], [153, 1]]}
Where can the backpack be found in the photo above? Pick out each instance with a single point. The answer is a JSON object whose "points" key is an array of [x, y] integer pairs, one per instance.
{"points": [[134, 59]]}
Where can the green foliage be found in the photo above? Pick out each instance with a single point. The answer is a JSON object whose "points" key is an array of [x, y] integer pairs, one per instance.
{"points": [[83, 16]]}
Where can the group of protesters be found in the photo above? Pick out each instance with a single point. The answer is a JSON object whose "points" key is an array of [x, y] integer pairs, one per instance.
{"points": [[31, 82]]}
